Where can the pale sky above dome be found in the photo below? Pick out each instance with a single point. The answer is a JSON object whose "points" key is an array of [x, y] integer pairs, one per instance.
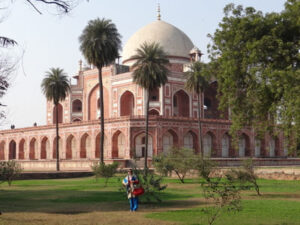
{"points": [[52, 41]]}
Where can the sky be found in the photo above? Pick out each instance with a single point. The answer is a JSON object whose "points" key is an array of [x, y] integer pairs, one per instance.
{"points": [[51, 40]]}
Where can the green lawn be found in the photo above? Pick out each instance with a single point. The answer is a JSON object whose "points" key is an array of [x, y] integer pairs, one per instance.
{"points": [[87, 201]]}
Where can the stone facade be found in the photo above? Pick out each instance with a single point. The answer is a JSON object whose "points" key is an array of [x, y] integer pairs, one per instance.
{"points": [[173, 122]]}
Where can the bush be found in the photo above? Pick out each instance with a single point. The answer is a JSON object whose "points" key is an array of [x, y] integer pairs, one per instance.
{"points": [[106, 171], [178, 160], [9, 170]]}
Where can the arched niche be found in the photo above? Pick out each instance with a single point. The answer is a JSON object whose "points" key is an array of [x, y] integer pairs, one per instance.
{"points": [[170, 139], [77, 106], [22, 149], [140, 145], [94, 103], [12, 150], [85, 145], [118, 145], [45, 148], [54, 147], [127, 104], [33, 145], [71, 147], [244, 146], [97, 147], [190, 141], [181, 104]]}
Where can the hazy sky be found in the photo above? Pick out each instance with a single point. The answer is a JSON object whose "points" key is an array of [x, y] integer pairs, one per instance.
{"points": [[49, 40]]}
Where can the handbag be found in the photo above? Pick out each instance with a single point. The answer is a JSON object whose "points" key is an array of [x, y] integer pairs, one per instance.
{"points": [[138, 191]]}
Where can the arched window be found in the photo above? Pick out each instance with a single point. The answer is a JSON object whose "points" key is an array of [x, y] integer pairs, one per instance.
{"points": [[181, 104], [77, 106]]}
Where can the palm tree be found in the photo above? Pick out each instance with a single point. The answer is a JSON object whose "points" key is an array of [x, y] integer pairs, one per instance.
{"points": [[56, 87], [197, 81], [5, 42], [100, 43], [150, 72]]}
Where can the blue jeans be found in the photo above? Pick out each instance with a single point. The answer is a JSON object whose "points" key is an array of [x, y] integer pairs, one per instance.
{"points": [[134, 203]]}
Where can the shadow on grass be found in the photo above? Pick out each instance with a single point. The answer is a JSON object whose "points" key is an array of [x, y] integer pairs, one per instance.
{"points": [[76, 202], [281, 195]]}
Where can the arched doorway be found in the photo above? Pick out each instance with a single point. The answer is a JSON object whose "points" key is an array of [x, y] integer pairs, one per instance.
{"points": [[22, 149], [12, 150], [97, 147], [2, 147], [170, 139], [190, 141], [208, 144], [85, 145], [244, 146], [45, 148], [71, 147], [181, 104], [127, 104], [94, 103], [140, 146], [225, 145], [60, 113], [33, 146], [118, 145], [59, 147]]}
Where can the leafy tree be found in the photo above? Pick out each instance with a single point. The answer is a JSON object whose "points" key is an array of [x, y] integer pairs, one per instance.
{"points": [[178, 160], [106, 171], [100, 44], [197, 81], [56, 87], [150, 72], [256, 60], [9, 170]]}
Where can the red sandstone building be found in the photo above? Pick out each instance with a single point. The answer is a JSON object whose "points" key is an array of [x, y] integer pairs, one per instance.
{"points": [[173, 116]]}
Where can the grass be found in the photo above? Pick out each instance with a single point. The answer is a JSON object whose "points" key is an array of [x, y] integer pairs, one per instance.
{"points": [[87, 201]]}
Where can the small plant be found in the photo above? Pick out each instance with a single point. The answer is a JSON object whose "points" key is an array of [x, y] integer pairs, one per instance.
{"points": [[105, 171], [246, 175], [9, 170], [178, 160]]}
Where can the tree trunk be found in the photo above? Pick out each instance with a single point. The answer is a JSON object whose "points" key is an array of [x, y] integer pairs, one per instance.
{"points": [[199, 125], [101, 115], [57, 139], [147, 123]]}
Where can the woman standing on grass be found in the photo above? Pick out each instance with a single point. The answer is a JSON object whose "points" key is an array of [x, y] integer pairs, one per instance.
{"points": [[130, 182]]}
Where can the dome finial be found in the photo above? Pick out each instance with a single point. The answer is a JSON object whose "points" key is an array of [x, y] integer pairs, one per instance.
{"points": [[158, 11]]}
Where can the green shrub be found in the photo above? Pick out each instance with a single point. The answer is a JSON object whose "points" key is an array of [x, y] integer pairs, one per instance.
{"points": [[178, 160], [105, 171], [9, 170]]}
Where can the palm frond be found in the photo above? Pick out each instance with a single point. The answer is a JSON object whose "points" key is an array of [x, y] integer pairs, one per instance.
{"points": [[5, 42]]}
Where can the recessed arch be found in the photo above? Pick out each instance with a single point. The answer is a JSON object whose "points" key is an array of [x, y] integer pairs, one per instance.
{"points": [[93, 103], [209, 145], [45, 147], [153, 112], [140, 145], [181, 104], [118, 145], [127, 104], [154, 94], [244, 146], [32, 148], [97, 146], [77, 106], [225, 145], [76, 120], [54, 147], [85, 145], [2, 148], [70, 147], [60, 113], [22, 149], [273, 147], [190, 141], [12, 150], [170, 139]]}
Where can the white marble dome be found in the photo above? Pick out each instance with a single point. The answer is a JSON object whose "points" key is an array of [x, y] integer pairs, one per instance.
{"points": [[174, 41]]}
